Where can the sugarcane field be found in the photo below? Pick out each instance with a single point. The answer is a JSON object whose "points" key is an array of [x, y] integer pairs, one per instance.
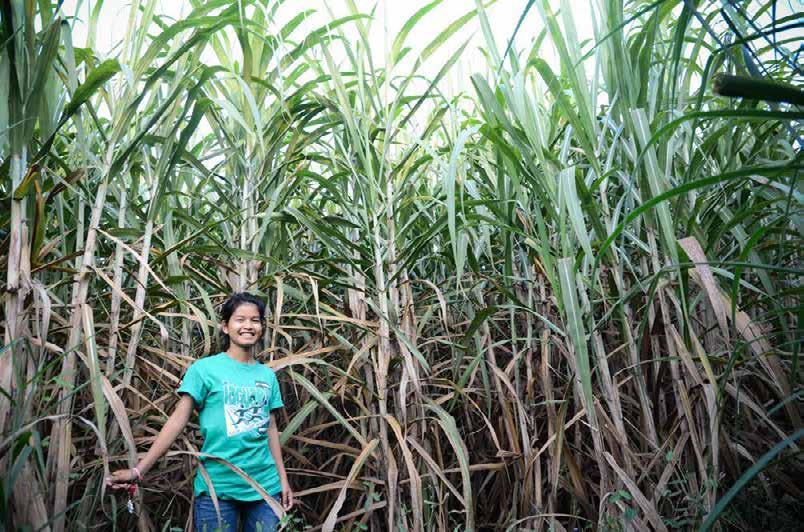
{"points": [[369, 265]]}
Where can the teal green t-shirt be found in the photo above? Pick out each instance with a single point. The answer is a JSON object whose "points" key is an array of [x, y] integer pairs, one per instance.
{"points": [[235, 401]]}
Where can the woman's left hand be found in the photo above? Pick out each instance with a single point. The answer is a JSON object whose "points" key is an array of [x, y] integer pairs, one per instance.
{"points": [[287, 497]]}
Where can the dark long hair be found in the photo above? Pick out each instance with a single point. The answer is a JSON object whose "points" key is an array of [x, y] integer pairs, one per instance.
{"points": [[231, 304]]}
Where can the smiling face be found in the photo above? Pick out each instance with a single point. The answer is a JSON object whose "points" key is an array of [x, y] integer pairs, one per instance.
{"points": [[244, 327]]}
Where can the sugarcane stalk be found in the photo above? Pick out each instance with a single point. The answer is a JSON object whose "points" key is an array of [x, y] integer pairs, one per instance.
{"points": [[750, 88], [63, 429], [13, 276], [114, 326]]}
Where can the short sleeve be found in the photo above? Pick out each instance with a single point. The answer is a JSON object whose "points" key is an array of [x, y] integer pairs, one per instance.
{"points": [[275, 401], [193, 385]]}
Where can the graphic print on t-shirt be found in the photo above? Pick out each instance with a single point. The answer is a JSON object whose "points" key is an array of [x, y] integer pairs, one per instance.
{"points": [[246, 407]]}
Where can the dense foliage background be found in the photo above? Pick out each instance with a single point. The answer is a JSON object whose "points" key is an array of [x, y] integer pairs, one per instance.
{"points": [[565, 298]]}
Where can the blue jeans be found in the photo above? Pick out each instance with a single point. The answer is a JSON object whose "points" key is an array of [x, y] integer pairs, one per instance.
{"points": [[255, 516]]}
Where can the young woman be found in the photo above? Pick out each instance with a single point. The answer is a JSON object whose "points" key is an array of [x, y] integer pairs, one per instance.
{"points": [[236, 397]]}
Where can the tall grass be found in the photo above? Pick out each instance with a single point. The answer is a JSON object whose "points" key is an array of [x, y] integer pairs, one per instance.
{"points": [[568, 298]]}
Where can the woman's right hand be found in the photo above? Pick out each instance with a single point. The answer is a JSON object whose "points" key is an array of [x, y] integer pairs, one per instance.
{"points": [[122, 479]]}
